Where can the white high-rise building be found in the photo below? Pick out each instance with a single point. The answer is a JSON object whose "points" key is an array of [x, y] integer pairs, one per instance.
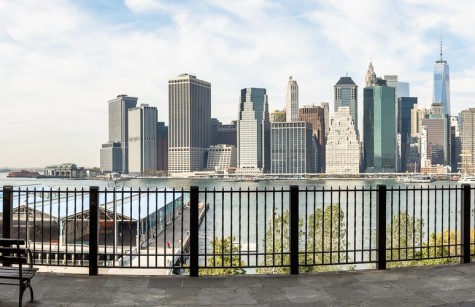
{"points": [[189, 123], [253, 130], [468, 141], [343, 147], [292, 101], [142, 139]]}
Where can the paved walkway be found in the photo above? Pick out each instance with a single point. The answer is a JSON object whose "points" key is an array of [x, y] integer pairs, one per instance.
{"points": [[448, 285]]}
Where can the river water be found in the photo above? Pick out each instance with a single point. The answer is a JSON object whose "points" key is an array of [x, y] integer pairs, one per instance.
{"points": [[247, 215]]}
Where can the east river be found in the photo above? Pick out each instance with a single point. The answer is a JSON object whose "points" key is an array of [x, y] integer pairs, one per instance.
{"points": [[246, 216]]}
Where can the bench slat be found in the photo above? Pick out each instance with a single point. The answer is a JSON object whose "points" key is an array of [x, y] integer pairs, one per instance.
{"points": [[4, 242], [12, 260], [15, 250]]}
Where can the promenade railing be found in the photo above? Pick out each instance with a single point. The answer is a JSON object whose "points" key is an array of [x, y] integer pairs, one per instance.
{"points": [[233, 231]]}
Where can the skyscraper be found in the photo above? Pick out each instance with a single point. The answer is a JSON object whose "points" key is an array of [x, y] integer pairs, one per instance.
{"points": [[468, 141], [253, 131], [370, 78], [437, 126], [189, 101], [379, 123], [343, 146], [292, 102], [162, 146], [346, 95], [405, 106], [118, 129], [315, 115], [142, 139], [291, 148], [442, 83]]}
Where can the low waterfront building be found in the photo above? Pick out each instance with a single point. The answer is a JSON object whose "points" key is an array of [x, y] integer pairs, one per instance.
{"points": [[65, 170], [343, 147], [221, 157]]}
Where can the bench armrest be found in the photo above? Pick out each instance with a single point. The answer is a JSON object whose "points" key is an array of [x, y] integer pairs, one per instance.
{"points": [[29, 257]]}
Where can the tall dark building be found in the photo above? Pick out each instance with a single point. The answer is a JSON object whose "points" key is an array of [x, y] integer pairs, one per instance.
{"points": [[405, 105], [346, 95], [315, 115], [379, 128], [223, 134], [162, 146], [438, 135]]}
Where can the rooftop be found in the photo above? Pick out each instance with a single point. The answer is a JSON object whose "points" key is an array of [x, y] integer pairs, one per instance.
{"points": [[444, 285]]}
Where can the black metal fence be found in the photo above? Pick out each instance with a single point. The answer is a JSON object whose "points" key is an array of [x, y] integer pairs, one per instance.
{"points": [[241, 231]]}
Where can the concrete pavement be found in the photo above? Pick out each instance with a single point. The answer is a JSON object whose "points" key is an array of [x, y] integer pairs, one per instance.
{"points": [[447, 285]]}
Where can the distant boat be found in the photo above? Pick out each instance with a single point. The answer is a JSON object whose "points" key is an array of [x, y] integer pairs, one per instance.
{"points": [[418, 179], [23, 174], [467, 179]]}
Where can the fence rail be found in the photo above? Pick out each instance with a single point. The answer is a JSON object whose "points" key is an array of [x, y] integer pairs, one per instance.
{"points": [[233, 231]]}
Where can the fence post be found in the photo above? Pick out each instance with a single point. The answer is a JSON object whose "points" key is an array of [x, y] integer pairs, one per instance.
{"points": [[465, 226], [194, 227], [294, 229], [93, 230], [7, 211], [7, 215], [381, 226]]}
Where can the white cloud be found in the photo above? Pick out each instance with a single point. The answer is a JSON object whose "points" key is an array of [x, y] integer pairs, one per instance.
{"points": [[61, 63], [138, 6]]}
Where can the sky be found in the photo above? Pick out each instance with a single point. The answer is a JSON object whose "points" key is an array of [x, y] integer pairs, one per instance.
{"points": [[62, 60]]}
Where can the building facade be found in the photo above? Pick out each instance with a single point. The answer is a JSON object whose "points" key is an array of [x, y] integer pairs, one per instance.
{"points": [[189, 101], [223, 133], [405, 106], [346, 95], [111, 157], [277, 116], [253, 129], [292, 101], [119, 126], [468, 141], [315, 115], [143, 140], [221, 157], [291, 148], [370, 78], [343, 146], [162, 147], [437, 125], [379, 123]]}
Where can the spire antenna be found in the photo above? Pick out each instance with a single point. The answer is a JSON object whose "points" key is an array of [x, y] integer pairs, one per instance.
{"points": [[441, 48]]}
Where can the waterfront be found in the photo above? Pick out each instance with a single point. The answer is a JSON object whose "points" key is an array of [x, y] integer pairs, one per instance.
{"points": [[213, 183], [243, 211]]}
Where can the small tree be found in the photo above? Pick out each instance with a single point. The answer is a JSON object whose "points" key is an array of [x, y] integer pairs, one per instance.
{"points": [[326, 237], [325, 234], [226, 260]]}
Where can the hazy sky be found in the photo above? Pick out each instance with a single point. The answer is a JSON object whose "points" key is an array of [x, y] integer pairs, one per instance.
{"points": [[62, 60]]}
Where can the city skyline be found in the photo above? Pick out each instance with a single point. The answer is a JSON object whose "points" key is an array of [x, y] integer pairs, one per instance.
{"points": [[62, 61]]}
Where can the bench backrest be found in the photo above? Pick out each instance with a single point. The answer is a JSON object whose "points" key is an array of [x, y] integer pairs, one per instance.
{"points": [[12, 253]]}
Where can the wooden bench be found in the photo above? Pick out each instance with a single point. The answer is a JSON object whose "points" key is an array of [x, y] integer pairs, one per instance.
{"points": [[17, 268]]}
